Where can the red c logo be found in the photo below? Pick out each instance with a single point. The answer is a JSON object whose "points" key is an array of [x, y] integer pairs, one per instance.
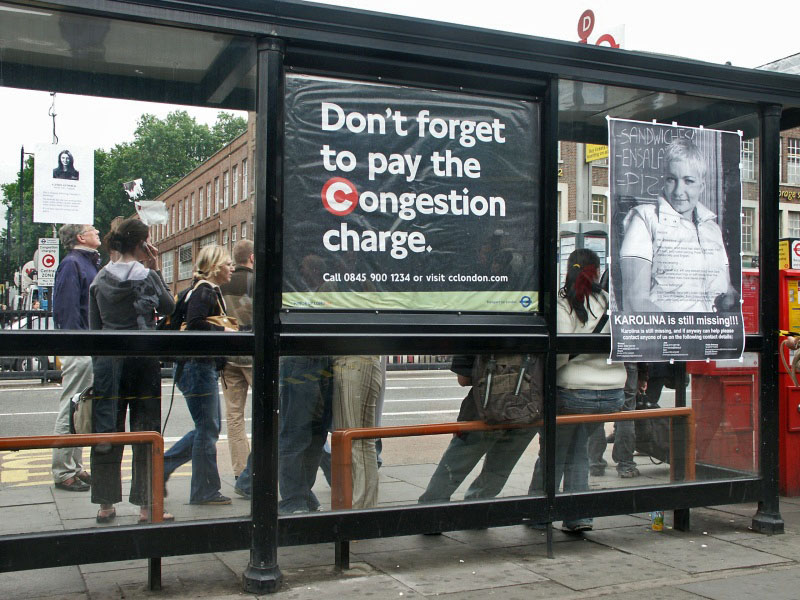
{"points": [[48, 260], [339, 196]]}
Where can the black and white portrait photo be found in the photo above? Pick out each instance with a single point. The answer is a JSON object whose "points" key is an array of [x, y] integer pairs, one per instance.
{"points": [[63, 183], [66, 167], [675, 242]]}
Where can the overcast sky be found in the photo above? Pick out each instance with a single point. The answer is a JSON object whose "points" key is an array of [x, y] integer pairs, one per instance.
{"points": [[711, 31]]}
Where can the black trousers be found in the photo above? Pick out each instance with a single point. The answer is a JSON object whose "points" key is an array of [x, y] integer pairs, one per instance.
{"points": [[123, 385]]}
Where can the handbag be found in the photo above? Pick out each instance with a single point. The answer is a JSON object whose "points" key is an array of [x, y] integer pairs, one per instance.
{"points": [[221, 320], [80, 411], [652, 435]]}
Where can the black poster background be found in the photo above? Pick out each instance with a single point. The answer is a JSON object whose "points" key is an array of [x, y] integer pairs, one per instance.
{"points": [[470, 248], [636, 155]]}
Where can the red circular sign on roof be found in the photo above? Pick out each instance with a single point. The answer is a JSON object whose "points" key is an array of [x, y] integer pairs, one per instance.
{"points": [[585, 25]]}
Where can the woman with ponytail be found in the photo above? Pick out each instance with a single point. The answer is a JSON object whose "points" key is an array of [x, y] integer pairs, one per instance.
{"points": [[587, 383], [126, 295]]}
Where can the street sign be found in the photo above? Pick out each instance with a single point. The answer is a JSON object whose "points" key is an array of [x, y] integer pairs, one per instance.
{"points": [[48, 261]]}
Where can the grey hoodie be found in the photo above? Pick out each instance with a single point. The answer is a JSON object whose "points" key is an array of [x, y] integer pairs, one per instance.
{"points": [[126, 296]]}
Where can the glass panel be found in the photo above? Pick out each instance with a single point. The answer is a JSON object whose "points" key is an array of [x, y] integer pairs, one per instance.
{"points": [[107, 152], [456, 462]]}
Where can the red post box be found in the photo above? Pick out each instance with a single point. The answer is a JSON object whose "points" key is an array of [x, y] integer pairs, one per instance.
{"points": [[725, 398]]}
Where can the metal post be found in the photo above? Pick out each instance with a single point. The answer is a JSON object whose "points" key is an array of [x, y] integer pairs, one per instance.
{"points": [[21, 210], [768, 518], [550, 241], [263, 574]]}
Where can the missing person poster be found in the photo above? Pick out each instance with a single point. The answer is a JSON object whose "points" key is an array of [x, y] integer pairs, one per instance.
{"points": [[676, 278], [63, 184], [399, 198]]}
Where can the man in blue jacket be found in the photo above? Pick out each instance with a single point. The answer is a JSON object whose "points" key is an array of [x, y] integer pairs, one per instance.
{"points": [[71, 311]]}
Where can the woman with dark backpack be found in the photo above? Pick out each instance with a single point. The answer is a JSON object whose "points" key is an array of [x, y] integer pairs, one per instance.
{"points": [[587, 383]]}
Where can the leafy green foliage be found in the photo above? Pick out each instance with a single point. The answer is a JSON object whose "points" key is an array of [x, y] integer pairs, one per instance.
{"points": [[161, 153]]}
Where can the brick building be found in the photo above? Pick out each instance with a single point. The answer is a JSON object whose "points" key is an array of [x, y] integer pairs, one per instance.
{"points": [[788, 197], [213, 204]]}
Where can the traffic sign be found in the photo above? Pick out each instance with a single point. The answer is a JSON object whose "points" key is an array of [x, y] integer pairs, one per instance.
{"points": [[48, 261]]}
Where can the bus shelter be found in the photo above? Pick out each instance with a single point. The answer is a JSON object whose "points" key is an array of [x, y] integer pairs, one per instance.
{"points": [[407, 180]]}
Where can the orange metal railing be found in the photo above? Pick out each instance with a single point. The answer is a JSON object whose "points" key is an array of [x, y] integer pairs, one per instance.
{"points": [[342, 442], [153, 438]]}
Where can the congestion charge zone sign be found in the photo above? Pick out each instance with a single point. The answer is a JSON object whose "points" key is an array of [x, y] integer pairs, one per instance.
{"points": [[403, 198], [48, 261]]}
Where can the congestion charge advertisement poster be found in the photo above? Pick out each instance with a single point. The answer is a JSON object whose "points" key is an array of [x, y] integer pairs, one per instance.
{"points": [[676, 276], [399, 198]]}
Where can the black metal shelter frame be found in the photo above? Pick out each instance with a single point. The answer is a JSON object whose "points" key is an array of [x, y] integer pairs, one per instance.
{"points": [[269, 39]]}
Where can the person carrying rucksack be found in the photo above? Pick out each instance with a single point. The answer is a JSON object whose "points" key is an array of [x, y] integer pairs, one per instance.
{"points": [[587, 383]]}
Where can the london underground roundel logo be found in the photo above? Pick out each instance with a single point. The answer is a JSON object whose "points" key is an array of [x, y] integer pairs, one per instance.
{"points": [[339, 196]]}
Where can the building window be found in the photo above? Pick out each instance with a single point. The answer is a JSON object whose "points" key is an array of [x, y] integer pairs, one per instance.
{"points": [[191, 209], [235, 175], [748, 223], [599, 208], [167, 261], [233, 234], [244, 180], [244, 230], [180, 215], [559, 152], [185, 261], [208, 240], [793, 161], [224, 237], [216, 195], [226, 184], [208, 199], [201, 201], [749, 160], [794, 224]]}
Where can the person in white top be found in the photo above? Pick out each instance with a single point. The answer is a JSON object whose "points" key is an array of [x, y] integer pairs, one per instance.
{"points": [[587, 383], [673, 257]]}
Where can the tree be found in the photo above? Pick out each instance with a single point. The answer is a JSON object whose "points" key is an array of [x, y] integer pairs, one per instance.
{"points": [[161, 152], [31, 232]]}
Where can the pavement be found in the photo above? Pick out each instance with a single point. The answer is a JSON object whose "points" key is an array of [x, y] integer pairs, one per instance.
{"points": [[623, 558]]}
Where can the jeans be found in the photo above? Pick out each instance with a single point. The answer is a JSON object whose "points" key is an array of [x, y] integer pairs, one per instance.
{"points": [[121, 386], [572, 459], [502, 450], [245, 481], [305, 400], [198, 384], [624, 431]]}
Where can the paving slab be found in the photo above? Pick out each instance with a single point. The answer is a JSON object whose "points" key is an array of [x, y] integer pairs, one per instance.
{"points": [[204, 579], [25, 495], [41, 583], [540, 590], [775, 585], [30, 519], [445, 570], [657, 593], [690, 552], [585, 565], [504, 537], [325, 583], [722, 525], [404, 542], [786, 545]]}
